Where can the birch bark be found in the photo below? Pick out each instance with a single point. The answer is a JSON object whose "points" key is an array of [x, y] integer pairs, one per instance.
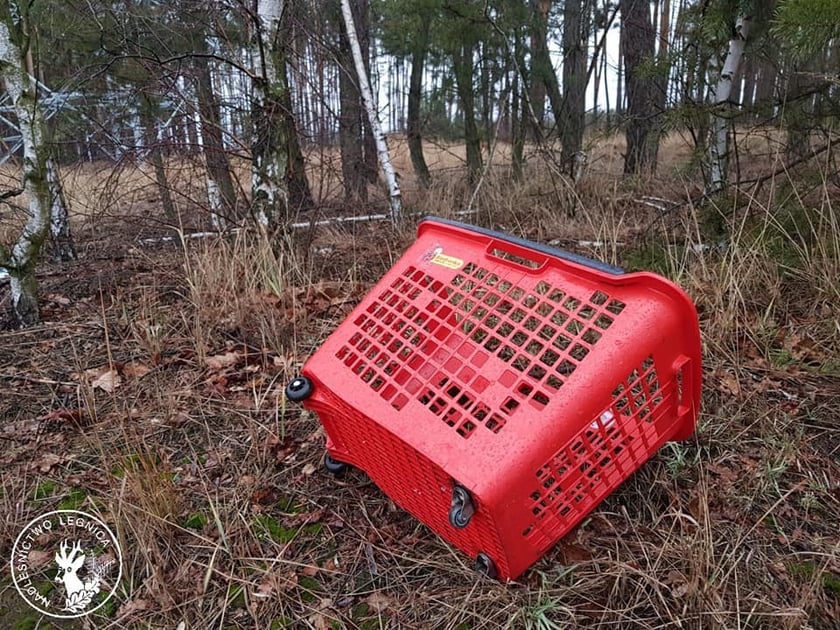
{"points": [[22, 90], [378, 135], [720, 94]]}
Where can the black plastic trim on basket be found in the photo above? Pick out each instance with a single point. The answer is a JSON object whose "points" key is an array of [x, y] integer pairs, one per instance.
{"points": [[537, 247]]}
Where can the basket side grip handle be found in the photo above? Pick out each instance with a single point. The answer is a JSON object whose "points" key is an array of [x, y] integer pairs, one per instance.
{"points": [[685, 385], [507, 243]]}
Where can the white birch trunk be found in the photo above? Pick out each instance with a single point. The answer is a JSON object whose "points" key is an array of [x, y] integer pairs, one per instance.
{"points": [[268, 170], [378, 135], [62, 247], [22, 91], [720, 94]]}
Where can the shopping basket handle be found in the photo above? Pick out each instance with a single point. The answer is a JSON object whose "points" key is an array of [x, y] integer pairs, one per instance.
{"points": [[530, 245]]}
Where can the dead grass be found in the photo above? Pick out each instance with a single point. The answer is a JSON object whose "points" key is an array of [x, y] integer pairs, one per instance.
{"points": [[213, 480]]}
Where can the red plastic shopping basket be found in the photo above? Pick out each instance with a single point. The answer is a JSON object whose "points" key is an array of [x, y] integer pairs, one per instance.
{"points": [[498, 389]]}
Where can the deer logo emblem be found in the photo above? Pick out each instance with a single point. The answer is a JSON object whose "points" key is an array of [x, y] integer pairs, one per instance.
{"points": [[78, 593], [74, 549]]}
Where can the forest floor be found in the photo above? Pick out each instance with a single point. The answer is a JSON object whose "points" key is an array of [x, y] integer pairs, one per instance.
{"points": [[152, 394]]}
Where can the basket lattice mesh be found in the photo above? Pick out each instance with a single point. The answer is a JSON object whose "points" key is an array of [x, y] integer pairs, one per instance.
{"points": [[603, 453], [446, 344]]}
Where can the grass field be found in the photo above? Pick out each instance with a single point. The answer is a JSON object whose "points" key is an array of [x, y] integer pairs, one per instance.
{"points": [[152, 395]]}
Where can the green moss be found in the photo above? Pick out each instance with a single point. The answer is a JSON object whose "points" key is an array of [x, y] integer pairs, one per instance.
{"points": [[75, 499], [807, 571], [26, 623], [648, 257], [45, 489], [310, 588], [196, 520]]}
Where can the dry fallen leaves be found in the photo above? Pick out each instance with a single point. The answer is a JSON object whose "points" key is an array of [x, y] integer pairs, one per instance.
{"points": [[107, 381], [223, 361]]}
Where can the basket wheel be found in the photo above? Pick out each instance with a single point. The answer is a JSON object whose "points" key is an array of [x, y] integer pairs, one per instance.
{"points": [[299, 389], [485, 566], [462, 508], [334, 466]]}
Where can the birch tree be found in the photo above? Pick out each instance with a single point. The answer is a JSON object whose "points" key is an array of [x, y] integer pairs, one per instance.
{"points": [[15, 42], [394, 196], [720, 94], [277, 167], [62, 247]]}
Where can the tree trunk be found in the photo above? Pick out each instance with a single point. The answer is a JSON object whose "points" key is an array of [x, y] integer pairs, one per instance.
{"points": [[638, 45], [542, 70], [462, 65], [62, 247], [22, 90], [539, 37], [269, 146], [518, 111], [797, 114], [720, 96], [573, 116], [220, 190], [148, 120], [381, 146], [361, 15], [415, 96], [350, 134]]}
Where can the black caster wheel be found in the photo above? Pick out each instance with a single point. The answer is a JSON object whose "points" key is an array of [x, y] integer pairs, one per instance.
{"points": [[334, 466], [462, 509], [299, 389], [485, 566]]}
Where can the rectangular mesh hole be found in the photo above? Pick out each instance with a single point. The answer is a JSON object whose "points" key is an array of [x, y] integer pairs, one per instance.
{"points": [[556, 296], [587, 312], [519, 338], [521, 363], [525, 389], [466, 429], [509, 406], [599, 298], [603, 321], [518, 315], [553, 382], [532, 323], [579, 352], [549, 357], [615, 307], [492, 344], [495, 423], [533, 348], [566, 367], [591, 336], [537, 372], [559, 318]]}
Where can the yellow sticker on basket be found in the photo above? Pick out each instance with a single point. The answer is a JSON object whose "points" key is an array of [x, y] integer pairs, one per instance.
{"points": [[447, 261]]}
